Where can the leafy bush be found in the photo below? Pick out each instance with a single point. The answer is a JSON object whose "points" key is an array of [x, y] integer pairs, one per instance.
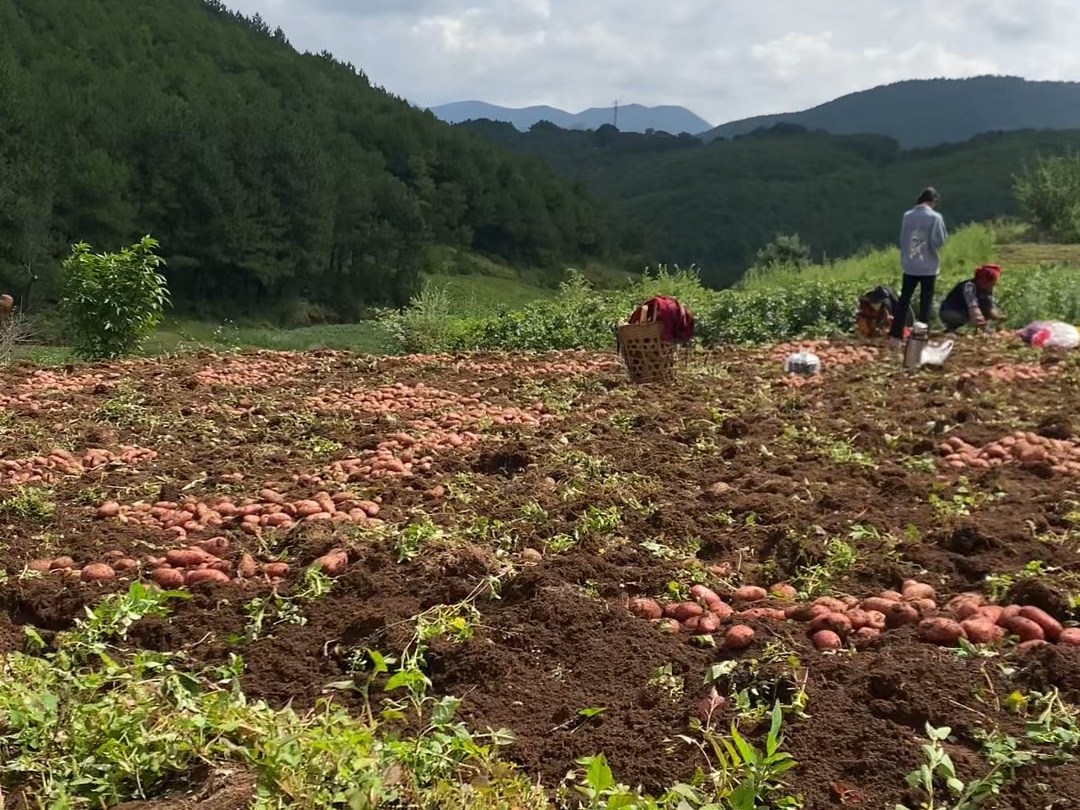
{"points": [[113, 301], [1049, 197]]}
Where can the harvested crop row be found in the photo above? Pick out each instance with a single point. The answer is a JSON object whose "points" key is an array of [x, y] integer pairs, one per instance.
{"points": [[1020, 447], [271, 510], [254, 371], [1012, 372], [830, 355], [575, 362], [60, 463], [834, 623]]}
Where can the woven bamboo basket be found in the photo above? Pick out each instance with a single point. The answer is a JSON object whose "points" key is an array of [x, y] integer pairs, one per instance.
{"points": [[646, 357]]}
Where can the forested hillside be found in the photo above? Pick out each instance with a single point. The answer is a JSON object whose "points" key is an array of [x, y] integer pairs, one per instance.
{"points": [[265, 173], [929, 112], [716, 204]]}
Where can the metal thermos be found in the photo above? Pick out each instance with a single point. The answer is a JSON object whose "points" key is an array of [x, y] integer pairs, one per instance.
{"points": [[913, 353]]}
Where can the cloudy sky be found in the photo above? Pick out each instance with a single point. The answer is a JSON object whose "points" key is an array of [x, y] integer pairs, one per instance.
{"points": [[724, 59]]}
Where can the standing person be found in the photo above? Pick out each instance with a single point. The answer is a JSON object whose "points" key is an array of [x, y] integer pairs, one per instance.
{"points": [[922, 236]]}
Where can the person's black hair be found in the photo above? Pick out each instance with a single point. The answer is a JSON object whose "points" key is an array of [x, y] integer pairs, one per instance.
{"points": [[929, 195]]}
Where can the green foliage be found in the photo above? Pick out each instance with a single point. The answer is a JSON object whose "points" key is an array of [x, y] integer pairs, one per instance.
{"points": [[1049, 197], [113, 301], [270, 175], [785, 250]]}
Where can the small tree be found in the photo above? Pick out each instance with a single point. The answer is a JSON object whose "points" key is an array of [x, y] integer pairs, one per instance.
{"points": [[1049, 197], [113, 301], [785, 250]]}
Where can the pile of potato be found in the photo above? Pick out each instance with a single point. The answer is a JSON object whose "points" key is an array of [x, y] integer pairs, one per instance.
{"points": [[60, 463], [832, 356], [254, 370], [271, 510], [834, 623], [574, 362], [1020, 447], [1012, 372]]}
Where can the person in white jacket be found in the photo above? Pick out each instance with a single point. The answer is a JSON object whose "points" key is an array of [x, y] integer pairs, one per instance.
{"points": [[922, 235]]}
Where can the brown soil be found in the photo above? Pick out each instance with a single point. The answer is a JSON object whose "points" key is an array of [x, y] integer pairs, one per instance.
{"points": [[795, 467]]}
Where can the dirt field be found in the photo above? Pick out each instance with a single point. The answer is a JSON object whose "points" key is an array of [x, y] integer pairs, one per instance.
{"points": [[553, 483]]}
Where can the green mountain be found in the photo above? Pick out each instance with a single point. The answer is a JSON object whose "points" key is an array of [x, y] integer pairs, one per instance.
{"points": [[266, 174], [683, 201], [628, 117], [930, 112]]}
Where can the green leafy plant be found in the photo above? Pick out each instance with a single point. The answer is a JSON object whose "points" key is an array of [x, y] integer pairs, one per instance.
{"points": [[113, 301]]}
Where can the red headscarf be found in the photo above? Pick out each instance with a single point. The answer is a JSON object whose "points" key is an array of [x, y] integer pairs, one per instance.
{"points": [[987, 275]]}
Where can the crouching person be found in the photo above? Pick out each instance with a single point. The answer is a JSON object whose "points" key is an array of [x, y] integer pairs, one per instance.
{"points": [[971, 302]]}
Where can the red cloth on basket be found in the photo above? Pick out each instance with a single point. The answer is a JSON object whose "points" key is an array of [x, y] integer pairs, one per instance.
{"points": [[676, 320]]}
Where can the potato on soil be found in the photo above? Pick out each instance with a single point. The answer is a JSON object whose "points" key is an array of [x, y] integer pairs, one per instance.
{"points": [[669, 627], [681, 611], [859, 618], [1070, 636], [827, 640], [247, 567], [98, 572], [739, 637], [1031, 645], [61, 562], [864, 635], [901, 614], [838, 623], [215, 545], [187, 557], [834, 605], [877, 604], [1051, 627], [707, 596], [982, 630], [709, 623], [941, 631], [913, 589], [41, 566], [333, 563], [205, 575], [965, 608], [805, 613], [645, 608], [276, 570], [784, 591], [750, 593], [168, 578], [1024, 629]]}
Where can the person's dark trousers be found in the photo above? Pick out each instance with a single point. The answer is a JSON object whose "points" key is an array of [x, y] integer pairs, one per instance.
{"points": [[953, 319], [907, 292]]}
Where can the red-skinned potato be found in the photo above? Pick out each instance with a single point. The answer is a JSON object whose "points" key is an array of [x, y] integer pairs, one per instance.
{"points": [[333, 563], [705, 595], [783, 590], [722, 610], [982, 630], [965, 608], [1051, 627], [187, 557], [691, 625], [924, 606], [41, 566], [917, 590], [709, 623], [645, 608], [168, 578], [681, 611], [991, 612], [247, 567], [891, 596], [739, 637], [276, 570], [838, 623], [1024, 629], [864, 635], [901, 614], [876, 620], [750, 593], [669, 627], [1035, 643], [941, 631], [805, 613], [205, 575], [61, 563], [1070, 636], [834, 605], [877, 604], [827, 640], [1008, 612], [98, 572], [215, 545], [859, 618], [774, 614]]}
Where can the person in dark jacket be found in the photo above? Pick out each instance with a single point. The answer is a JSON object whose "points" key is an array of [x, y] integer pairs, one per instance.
{"points": [[972, 301]]}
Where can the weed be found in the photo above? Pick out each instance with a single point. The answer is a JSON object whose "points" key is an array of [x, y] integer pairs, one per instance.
{"points": [[29, 503]]}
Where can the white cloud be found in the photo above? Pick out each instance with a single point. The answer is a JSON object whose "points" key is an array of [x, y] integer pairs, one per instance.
{"points": [[724, 59]]}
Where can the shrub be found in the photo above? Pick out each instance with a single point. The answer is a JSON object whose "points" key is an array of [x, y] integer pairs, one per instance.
{"points": [[1049, 197], [112, 301]]}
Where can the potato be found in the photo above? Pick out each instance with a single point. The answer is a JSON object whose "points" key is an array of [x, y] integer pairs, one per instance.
{"points": [[98, 572], [1024, 629], [901, 614], [739, 637], [333, 563], [691, 625], [941, 631], [1031, 645], [1069, 636], [965, 608], [1051, 627], [247, 567], [109, 509], [864, 635], [827, 640], [892, 596], [982, 630], [838, 623], [645, 608], [187, 557], [877, 605], [205, 575], [804, 613], [834, 605], [876, 620], [126, 564], [681, 611], [61, 562], [784, 591], [924, 606], [709, 623], [41, 566], [1008, 612], [705, 595], [168, 578], [858, 617], [276, 570], [215, 545], [991, 612], [917, 590], [775, 614], [750, 593], [722, 610]]}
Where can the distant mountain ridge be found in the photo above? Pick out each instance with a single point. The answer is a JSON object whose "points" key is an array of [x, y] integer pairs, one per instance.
{"points": [[920, 113], [631, 117]]}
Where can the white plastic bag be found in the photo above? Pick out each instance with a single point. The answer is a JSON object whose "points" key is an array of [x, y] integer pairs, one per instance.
{"points": [[1051, 334], [935, 354], [804, 362]]}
